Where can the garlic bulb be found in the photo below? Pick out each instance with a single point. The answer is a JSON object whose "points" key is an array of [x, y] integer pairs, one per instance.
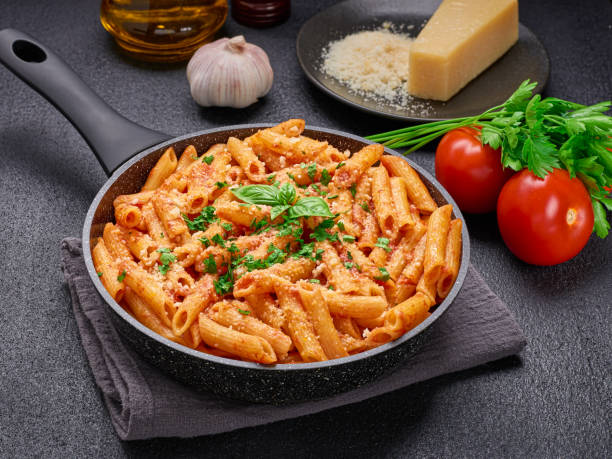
{"points": [[229, 73]]}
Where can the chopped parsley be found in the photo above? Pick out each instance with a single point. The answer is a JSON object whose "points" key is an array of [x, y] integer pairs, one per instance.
{"points": [[383, 243], [325, 177], [165, 259], [312, 171], [348, 238], [340, 225], [208, 159], [314, 281], [349, 265], [270, 178], [161, 235], [217, 239], [121, 276], [340, 164], [320, 233], [227, 226], [225, 283], [221, 184], [243, 312], [99, 274], [204, 240], [353, 190], [332, 197], [331, 287], [384, 276], [210, 265], [201, 222], [364, 206]]}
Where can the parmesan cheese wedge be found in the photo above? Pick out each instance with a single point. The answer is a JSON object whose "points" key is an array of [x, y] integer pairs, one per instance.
{"points": [[461, 39]]}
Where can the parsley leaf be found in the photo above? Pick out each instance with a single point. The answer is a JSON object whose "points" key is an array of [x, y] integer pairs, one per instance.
{"points": [[208, 159], [312, 171], [210, 265], [201, 222], [99, 273], [217, 239], [314, 281], [383, 243], [364, 206], [221, 184], [384, 275], [353, 189], [325, 177], [348, 238], [340, 164], [243, 311], [121, 276], [320, 233], [165, 259], [227, 226]]}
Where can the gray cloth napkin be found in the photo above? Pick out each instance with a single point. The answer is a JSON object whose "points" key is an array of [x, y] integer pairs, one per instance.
{"points": [[144, 403]]}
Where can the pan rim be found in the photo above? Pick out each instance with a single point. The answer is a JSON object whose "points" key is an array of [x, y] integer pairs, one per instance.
{"points": [[121, 312]]}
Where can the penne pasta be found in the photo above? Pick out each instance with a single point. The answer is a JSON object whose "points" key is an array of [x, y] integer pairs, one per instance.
{"points": [[324, 255], [452, 260], [298, 325], [357, 165], [236, 315], [165, 166], [435, 247], [248, 347], [415, 188], [318, 312], [107, 270]]}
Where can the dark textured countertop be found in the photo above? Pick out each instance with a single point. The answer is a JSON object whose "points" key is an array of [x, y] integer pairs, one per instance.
{"points": [[554, 400]]}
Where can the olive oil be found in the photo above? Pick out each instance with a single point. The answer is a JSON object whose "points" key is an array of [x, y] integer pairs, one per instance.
{"points": [[162, 30]]}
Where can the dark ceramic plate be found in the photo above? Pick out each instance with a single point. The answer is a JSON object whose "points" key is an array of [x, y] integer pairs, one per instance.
{"points": [[526, 59]]}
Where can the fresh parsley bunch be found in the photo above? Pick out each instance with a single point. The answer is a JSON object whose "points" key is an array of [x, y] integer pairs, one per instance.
{"points": [[537, 134]]}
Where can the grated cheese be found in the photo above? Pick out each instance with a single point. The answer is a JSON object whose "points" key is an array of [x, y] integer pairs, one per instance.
{"points": [[373, 64]]}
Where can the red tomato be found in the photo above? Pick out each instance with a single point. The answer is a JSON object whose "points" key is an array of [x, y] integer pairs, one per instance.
{"points": [[472, 173], [545, 221]]}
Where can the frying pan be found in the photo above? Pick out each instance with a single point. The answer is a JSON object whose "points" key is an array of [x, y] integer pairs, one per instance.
{"points": [[127, 152]]}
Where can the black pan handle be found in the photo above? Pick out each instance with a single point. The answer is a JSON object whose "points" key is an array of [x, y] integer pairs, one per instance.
{"points": [[112, 137]]}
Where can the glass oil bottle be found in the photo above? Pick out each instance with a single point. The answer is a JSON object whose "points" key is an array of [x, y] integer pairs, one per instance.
{"points": [[162, 30]]}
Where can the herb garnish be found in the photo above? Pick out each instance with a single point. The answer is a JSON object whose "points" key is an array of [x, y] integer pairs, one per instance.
{"points": [[383, 243], [325, 177], [210, 265], [165, 259], [384, 275], [201, 222], [121, 276], [208, 159]]}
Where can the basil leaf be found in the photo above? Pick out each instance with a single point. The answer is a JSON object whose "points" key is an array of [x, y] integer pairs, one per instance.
{"points": [[267, 195], [286, 194], [311, 206], [277, 210]]}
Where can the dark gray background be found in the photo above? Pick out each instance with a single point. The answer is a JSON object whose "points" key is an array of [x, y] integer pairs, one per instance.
{"points": [[553, 400]]}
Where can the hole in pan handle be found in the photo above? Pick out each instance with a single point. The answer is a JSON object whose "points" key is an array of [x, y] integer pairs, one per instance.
{"points": [[113, 138]]}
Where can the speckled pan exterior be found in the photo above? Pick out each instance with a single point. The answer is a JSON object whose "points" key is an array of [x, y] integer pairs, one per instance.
{"points": [[276, 384]]}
